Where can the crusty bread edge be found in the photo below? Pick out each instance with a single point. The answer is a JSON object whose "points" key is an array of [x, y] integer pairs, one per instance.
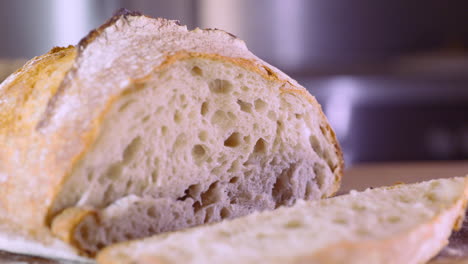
{"points": [[432, 235], [88, 137], [134, 86], [401, 248], [39, 242]]}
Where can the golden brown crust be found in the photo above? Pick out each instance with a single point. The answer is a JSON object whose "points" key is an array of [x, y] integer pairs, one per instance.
{"points": [[42, 156], [66, 222], [23, 97], [330, 135], [16, 93], [183, 55]]}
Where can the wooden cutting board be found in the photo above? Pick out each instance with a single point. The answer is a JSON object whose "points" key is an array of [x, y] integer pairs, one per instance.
{"points": [[359, 178]]}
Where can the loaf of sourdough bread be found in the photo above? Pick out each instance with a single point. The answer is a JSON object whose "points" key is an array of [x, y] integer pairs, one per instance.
{"points": [[402, 224], [145, 127]]}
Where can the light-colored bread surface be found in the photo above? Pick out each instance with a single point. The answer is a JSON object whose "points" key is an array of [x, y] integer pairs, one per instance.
{"points": [[400, 224], [146, 127]]}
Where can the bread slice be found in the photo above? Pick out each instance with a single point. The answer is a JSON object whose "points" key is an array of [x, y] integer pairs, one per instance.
{"points": [[400, 224], [146, 127]]}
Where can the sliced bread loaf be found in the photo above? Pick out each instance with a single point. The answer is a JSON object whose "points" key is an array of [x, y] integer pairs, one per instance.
{"points": [[146, 127], [401, 224]]}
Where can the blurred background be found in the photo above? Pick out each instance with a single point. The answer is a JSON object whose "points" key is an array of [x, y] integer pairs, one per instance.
{"points": [[392, 76]]}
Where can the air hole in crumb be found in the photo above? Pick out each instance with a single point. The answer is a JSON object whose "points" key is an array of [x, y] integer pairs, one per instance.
{"points": [[204, 108], [309, 191], [154, 176], [132, 150], [260, 146], [315, 143], [197, 206], [282, 191], [358, 207], [293, 224], [341, 221], [234, 180], [84, 232], [151, 212], [271, 115], [145, 119], [245, 88], [394, 219], [176, 215], [159, 110], [233, 140], [260, 105], [152, 230], [212, 195], [180, 141], [220, 86], [125, 105], [177, 117], [320, 174], [100, 245], [164, 130], [114, 172], [404, 199], [194, 191], [240, 75], [218, 117], [90, 176], [362, 232], [196, 71], [109, 193], [232, 116], [223, 233], [217, 171], [209, 215], [225, 213], [244, 106], [298, 116], [431, 196], [247, 139], [129, 185], [235, 167], [203, 135], [198, 152]]}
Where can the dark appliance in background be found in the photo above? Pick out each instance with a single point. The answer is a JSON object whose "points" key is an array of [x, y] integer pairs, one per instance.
{"points": [[396, 118], [392, 76]]}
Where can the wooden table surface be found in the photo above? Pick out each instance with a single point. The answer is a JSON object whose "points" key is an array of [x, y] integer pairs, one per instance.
{"points": [[359, 178]]}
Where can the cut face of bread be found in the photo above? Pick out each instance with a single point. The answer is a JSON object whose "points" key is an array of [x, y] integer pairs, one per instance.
{"points": [[145, 127], [197, 142], [401, 224]]}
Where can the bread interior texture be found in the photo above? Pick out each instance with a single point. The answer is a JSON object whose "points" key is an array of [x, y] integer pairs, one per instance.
{"points": [[403, 224], [197, 142]]}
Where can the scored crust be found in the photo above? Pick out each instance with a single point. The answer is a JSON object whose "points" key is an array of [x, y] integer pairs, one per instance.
{"points": [[66, 130]]}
